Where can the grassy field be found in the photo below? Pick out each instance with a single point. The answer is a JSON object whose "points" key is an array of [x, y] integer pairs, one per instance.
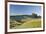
{"points": [[34, 23], [26, 23]]}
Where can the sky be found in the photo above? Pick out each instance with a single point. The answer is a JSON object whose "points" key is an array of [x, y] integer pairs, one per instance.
{"points": [[24, 9]]}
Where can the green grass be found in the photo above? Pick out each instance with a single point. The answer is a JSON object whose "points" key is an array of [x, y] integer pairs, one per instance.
{"points": [[30, 23]]}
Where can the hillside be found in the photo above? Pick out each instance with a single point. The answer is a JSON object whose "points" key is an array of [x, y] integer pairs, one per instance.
{"points": [[24, 21]]}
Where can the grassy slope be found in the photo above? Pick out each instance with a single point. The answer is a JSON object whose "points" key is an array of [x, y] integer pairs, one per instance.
{"points": [[34, 23]]}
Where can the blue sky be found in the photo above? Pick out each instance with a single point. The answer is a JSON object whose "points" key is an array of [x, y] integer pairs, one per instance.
{"points": [[24, 9]]}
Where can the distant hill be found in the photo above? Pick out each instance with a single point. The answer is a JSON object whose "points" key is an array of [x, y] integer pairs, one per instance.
{"points": [[20, 17]]}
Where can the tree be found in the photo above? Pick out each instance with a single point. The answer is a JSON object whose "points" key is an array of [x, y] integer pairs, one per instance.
{"points": [[34, 15]]}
